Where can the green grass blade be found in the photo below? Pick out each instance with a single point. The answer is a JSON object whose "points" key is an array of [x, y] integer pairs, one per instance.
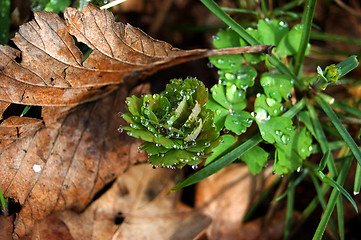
{"points": [[347, 65], [239, 10], [321, 138], [4, 21], [293, 185], [337, 186], [347, 108], [295, 109], [332, 201], [305, 38], [326, 157], [334, 37], [26, 109], [289, 211], [357, 183], [340, 128], [220, 163], [340, 217], [3, 203]]}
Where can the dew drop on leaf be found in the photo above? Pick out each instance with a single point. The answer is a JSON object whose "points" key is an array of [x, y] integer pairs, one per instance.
{"points": [[220, 61], [285, 139], [194, 167], [230, 76]]}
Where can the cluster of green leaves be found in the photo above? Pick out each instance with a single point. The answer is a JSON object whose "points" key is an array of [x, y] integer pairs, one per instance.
{"points": [[176, 126], [274, 113], [228, 97]]}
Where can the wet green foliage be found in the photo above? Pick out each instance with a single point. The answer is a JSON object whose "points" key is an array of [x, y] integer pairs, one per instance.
{"points": [[176, 126]]}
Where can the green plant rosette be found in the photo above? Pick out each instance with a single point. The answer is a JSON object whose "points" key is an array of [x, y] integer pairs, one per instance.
{"points": [[176, 126]]}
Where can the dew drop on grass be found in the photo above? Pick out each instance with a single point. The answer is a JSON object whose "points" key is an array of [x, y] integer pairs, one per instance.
{"points": [[194, 167]]}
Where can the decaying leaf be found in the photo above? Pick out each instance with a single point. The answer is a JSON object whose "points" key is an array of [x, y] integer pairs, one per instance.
{"points": [[60, 161], [137, 207]]}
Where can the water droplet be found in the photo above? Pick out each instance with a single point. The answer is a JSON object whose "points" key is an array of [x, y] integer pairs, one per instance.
{"points": [[220, 61], [194, 167], [262, 133], [299, 169], [230, 76], [289, 95], [139, 150], [215, 38], [258, 95], [282, 176], [157, 145], [285, 139], [225, 130], [310, 148], [270, 102], [210, 65], [279, 133], [120, 129], [249, 120]]}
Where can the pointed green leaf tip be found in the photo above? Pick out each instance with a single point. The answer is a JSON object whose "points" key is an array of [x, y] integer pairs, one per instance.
{"points": [[176, 126]]}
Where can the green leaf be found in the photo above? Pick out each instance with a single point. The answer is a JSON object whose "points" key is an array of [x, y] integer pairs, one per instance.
{"points": [[276, 86], [290, 43], [220, 112], [4, 21], [275, 129], [304, 117], [229, 97], [255, 158], [226, 143], [288, 158], [272, 107], [243, 77], [226, 39], [238, 122], [272, 31], [57, 6]]}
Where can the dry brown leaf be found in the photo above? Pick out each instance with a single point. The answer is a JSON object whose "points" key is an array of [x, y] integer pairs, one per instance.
{"points": [[225, 196], [138, 196]]}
